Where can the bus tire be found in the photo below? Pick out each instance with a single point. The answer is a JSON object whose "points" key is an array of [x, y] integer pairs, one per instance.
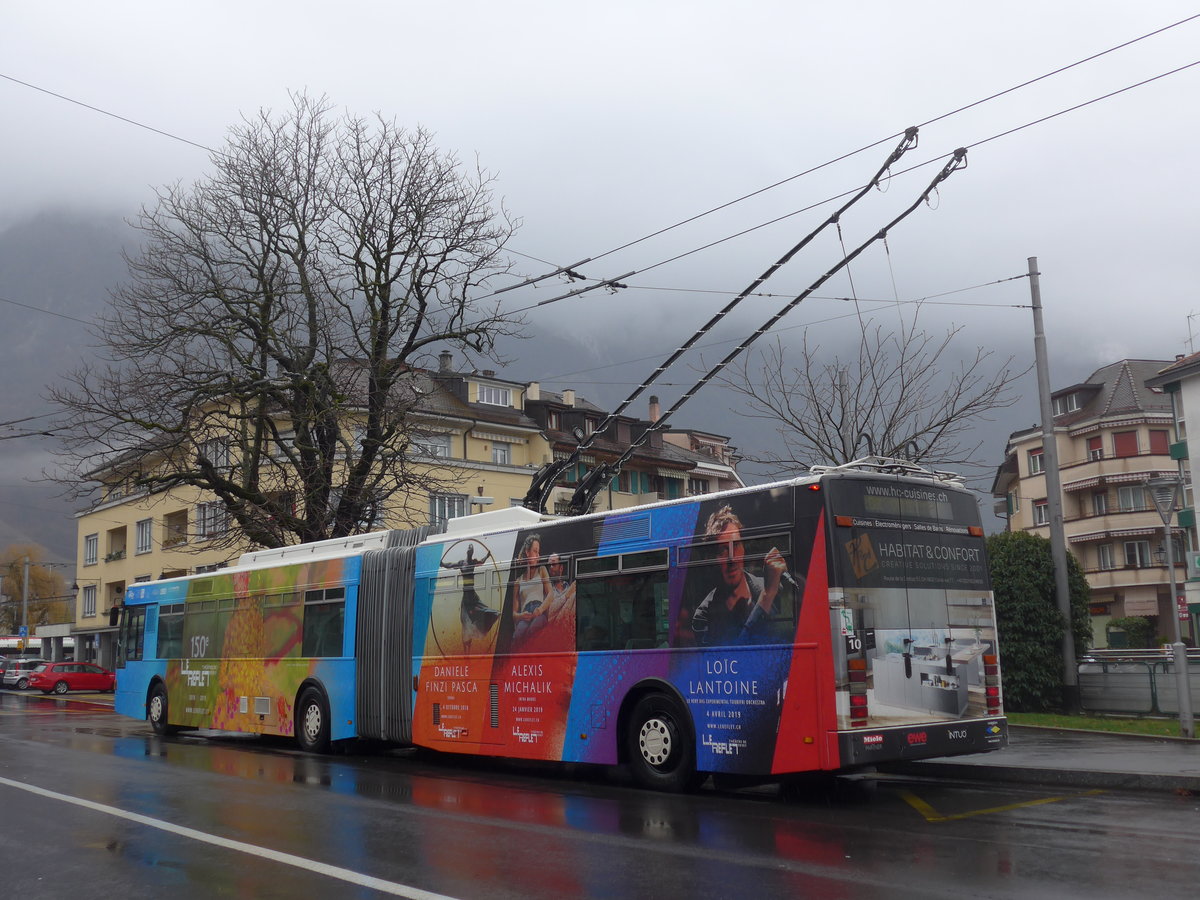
{"points": [[662, 754], [312, 721], [157, 710]]}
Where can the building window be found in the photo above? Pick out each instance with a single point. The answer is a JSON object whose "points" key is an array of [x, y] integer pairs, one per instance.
{"points": [[495, 396], [211, 520], [1095, 448], [697, 486], [553, 420], [91, 549], [443, 507], [1100, 503], [144, 536], [432, 445], [1041, 512], [216, 451], [1014, 502], [1131, 498], [501, 454], [1064, 405], [1137, 554], [1160, 443], [175, 526], [89, 601], [1036, 464], [1104, 556], [625, 482], [1125, 443]]}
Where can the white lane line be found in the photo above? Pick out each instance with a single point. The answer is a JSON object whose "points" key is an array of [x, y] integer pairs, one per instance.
{"points": [[357, 878]]}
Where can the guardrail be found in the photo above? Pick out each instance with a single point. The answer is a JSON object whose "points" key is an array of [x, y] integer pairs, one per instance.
{"points": [[1134, 682]]}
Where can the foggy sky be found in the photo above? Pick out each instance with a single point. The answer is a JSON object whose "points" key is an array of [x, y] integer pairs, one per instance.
{"points": [[606, 123]]}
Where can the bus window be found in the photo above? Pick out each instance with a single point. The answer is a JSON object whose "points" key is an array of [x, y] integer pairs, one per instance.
{"points": [[170, 631], [622, 612], [324, 616]]}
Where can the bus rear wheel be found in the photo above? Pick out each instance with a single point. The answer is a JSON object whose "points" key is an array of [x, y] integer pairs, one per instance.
{"points": [[156, 710], [662, 755], [312, 721]]}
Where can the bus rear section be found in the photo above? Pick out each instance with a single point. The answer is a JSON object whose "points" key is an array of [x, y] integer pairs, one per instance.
{"points": [[913, 621]]}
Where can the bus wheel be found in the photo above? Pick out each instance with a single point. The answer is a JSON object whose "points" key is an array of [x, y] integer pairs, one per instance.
{"points": [[312, 721], [156, 710], [661, 755]]}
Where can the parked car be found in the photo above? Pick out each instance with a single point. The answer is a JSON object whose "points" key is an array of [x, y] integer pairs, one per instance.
{"points": [[60, 677], [17, 671]]}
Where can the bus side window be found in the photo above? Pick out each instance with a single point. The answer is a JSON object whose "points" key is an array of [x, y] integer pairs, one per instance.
{"points": [[170, 631], [324, 617]]}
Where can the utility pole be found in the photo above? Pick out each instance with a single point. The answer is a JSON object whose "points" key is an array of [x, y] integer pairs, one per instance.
{"points": [[1166, 493], [25, 607], [1058, 543]]}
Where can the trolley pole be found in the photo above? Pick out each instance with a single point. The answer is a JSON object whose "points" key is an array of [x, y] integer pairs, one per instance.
{"points": [[1058, 543]]}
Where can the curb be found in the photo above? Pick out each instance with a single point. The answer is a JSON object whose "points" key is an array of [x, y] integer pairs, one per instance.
{"points": [[1078, 778]]}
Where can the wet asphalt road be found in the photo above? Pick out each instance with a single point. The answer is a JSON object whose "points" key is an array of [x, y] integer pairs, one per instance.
{"points": [[94, 805]]}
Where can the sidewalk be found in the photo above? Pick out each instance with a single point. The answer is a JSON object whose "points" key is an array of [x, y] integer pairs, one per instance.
{"points": [[1074, 759]]}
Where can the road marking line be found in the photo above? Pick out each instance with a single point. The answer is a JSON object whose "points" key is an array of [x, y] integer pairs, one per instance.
{"points": [[288, 859], [932, 815]]}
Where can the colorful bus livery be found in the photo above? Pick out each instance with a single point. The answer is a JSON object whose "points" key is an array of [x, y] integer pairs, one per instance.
{"points": [[835, 620]]}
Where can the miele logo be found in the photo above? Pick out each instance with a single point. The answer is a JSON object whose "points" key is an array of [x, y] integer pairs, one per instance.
{"points": [[918, 737], [872, 740]]}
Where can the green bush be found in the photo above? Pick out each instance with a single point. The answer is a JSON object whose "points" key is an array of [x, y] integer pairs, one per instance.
{"points": [[1029, 624]]}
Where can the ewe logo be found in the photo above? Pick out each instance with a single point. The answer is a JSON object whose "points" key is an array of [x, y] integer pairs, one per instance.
{"points": [[917, 738]]}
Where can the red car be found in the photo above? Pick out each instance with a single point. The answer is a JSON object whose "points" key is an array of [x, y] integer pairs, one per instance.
{"points": [[60, 677]]}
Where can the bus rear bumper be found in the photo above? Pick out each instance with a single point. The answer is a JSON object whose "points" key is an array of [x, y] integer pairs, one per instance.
{"points": [[868, 746]]}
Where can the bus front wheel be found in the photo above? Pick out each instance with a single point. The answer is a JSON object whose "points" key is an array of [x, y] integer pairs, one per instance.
{"points": [[156, 710], [312, 721], [662, 755]]}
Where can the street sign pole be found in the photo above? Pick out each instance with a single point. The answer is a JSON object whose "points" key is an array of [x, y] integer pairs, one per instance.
{"points": [[1166, 496]]}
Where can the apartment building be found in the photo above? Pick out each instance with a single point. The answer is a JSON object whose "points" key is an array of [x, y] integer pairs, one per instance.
{"points": [[1113, 432], [483, 436]]}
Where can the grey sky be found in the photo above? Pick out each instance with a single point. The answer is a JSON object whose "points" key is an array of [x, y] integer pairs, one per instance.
{"points": [[606, 122]]}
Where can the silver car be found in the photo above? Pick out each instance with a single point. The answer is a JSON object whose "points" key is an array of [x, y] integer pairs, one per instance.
{"points": [[16, 673]]}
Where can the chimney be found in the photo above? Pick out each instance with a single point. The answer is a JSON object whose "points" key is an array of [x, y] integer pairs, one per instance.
{"points": [[445, 361], [655, 410], [569, 397], [488, 373], [533, 391]]}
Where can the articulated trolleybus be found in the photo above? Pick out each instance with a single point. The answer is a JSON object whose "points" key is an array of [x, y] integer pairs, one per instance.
{"points": [[825, 623]]}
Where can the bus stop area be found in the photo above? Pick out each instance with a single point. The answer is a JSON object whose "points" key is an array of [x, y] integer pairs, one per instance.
{"points": [[1076, 759]]}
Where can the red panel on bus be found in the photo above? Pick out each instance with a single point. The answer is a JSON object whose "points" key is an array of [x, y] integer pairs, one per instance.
{"points": [[808, 712]]}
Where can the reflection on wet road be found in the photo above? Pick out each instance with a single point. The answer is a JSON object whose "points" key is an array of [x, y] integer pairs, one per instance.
{"points": [[248, 817]]}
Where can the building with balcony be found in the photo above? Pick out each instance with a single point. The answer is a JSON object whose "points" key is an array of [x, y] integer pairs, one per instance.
{"points": [[484, 436], [1113, 432]]}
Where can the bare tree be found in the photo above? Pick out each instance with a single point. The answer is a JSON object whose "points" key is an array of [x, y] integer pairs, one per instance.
{"points": [[905, 394], [267, 346]]}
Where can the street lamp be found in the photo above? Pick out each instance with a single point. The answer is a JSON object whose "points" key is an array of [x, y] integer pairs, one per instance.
{"points": [[1166, 497]]}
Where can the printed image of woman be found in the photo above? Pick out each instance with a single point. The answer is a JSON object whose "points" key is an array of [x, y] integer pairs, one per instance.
{"points": [[476, 616], [531, 593]]}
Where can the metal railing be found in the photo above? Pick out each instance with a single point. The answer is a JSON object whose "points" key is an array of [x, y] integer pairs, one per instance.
{"points": [[1133, 682]]}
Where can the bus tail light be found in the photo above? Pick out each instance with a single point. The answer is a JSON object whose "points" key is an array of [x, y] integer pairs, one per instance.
{"points": [[858, 691], [991, 680]]}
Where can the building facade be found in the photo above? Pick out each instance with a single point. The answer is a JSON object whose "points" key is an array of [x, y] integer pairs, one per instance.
{"points": [[483, 435], [1113, 432]]}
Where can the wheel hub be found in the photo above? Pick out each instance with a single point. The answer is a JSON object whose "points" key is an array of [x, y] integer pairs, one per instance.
{"points": [[655, 741], [312, 722]]}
